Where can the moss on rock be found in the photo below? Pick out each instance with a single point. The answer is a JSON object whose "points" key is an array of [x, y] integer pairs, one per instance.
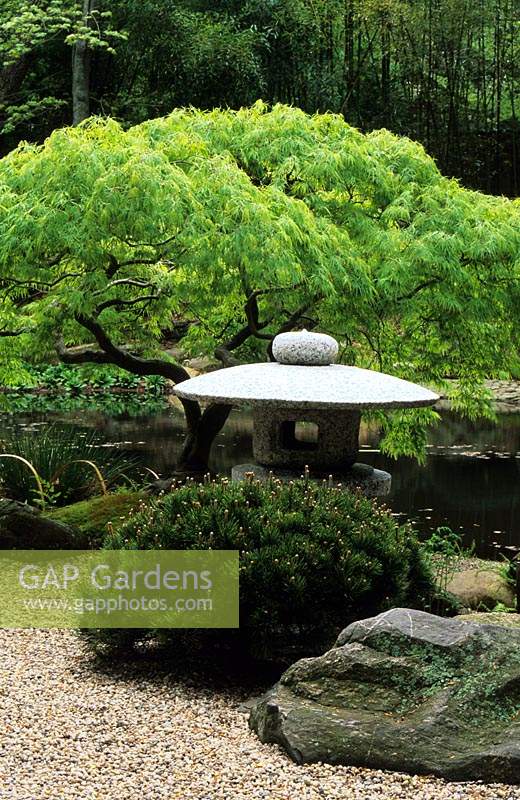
{"points": [[25, 528], [481, 586], [493, 618], [91, 517], [404, 691]]}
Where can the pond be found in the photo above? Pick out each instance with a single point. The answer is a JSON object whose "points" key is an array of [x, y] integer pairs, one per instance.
{"points": [[470, 482]]}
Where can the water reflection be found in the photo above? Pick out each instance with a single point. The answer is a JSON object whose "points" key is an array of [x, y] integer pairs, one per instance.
{"points": [[470, 480]]}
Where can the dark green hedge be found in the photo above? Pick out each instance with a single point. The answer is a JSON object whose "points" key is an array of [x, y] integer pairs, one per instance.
{"points": [[312, 558]]}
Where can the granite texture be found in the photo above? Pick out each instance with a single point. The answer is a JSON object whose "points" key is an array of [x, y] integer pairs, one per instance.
{"points": [[372, 482], [305, 348], [275, 444], [305, 386], [285, 386], [404, 691]]}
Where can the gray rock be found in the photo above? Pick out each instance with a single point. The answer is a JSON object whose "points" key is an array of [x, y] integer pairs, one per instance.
{"points": [[201, 365], [372, 482], [404, 691], [306, 348], [481, 587], [23, 527]]}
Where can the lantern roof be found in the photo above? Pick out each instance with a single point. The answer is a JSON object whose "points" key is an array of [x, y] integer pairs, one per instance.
{"points": [[304, 376]]}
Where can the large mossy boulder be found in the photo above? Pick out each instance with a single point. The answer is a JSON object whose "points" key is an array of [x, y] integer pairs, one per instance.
{"points": [[404, 691], [92, 517], [25, 528], [78, 526], [481, 586]]}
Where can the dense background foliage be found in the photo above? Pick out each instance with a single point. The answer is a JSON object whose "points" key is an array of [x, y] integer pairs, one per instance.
{"points": [[312, 558], [445, 72]]}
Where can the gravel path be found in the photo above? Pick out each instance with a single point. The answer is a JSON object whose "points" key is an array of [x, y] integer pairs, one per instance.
{"points": [[69, 731]]}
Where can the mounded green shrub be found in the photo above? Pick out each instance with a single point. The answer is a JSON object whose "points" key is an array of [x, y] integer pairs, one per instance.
{"points": [[312, 558]]}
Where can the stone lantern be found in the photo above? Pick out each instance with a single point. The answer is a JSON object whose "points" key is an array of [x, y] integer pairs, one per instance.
{"points": [[307, 409]]}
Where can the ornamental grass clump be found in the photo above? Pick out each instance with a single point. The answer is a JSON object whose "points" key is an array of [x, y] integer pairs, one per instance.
{"points": [[57, 465], [312, 558]]}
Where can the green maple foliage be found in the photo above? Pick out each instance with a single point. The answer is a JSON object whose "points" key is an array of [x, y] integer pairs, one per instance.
{"points": [[240, 224]]}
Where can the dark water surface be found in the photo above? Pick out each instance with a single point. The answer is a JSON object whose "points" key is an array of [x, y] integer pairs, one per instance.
{"points": [[470, 482]]}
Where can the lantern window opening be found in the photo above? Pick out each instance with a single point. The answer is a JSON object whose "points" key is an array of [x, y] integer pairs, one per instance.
{"points": [[299, 435]]}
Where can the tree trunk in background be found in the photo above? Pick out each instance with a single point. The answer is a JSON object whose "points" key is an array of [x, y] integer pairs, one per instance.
{"points": [[81, 58], [11, 78], [348, 56], [385, 67], [498, 90]]}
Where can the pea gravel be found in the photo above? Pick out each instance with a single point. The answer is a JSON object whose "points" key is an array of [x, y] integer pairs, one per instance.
{"points": [[69, 730]]}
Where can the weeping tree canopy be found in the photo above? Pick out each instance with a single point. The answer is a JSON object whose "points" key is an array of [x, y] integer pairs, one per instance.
{"points": [[224, 228]]}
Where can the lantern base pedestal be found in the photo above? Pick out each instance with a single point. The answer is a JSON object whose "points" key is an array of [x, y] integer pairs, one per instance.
{"points": [[372, 482]]}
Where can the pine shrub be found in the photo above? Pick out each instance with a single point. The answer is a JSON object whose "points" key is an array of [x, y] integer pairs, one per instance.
{"points": [[312, 558]]}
